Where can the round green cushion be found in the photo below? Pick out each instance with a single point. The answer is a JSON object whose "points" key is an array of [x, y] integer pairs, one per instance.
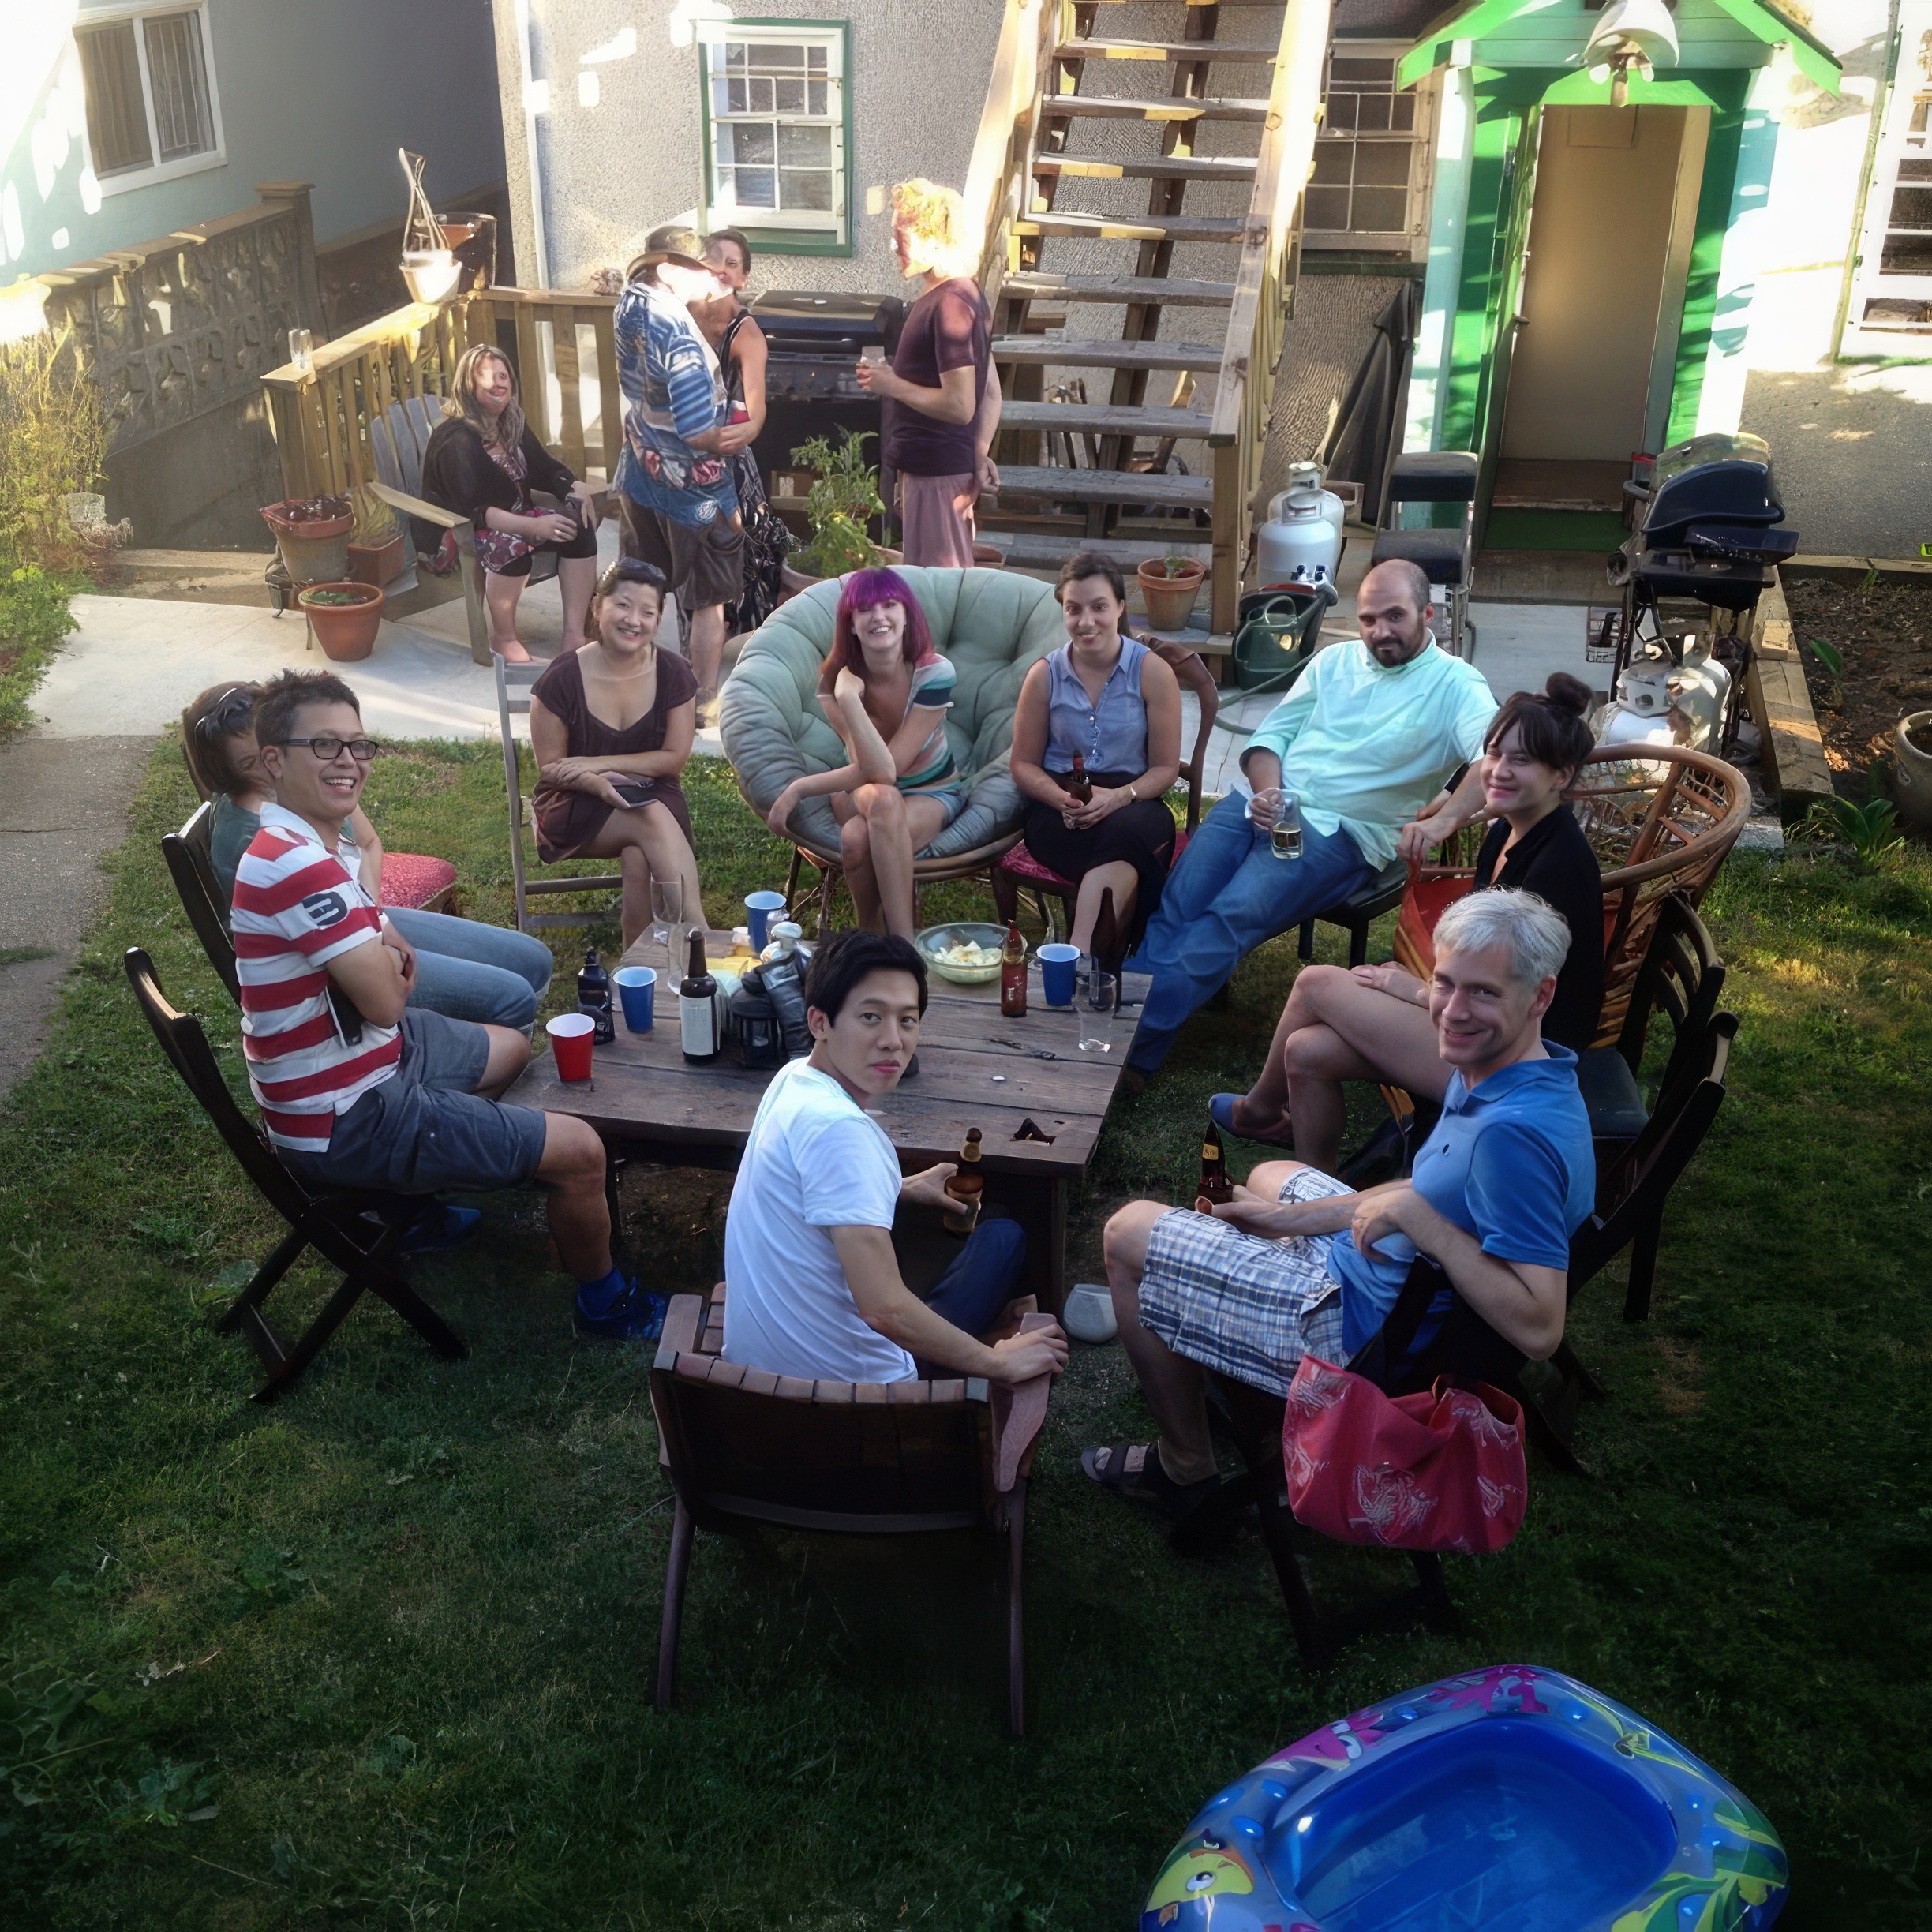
{"points": [[992, 625]]}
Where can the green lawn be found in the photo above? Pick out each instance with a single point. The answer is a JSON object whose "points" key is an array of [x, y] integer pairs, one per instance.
{"points": [[379, 1655]]}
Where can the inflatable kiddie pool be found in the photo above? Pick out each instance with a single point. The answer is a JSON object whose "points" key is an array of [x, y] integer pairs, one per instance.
{"points": [[1511, 1800]]}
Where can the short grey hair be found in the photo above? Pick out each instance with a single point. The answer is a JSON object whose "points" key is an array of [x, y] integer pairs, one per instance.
{"points": [[1536, 934]]}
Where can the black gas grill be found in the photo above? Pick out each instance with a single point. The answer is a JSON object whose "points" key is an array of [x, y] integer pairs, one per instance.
{"points": [[1704, 527], [812, 343]]}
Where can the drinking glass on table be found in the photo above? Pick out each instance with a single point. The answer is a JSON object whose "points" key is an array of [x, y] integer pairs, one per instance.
{"points": [[1097, 1011], [667, 908]]}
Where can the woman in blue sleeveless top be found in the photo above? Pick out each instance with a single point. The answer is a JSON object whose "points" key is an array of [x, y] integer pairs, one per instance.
{"points": [[1115, 702]]}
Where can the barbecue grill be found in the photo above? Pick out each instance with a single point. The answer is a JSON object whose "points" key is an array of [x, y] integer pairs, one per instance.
{"points": [[1705, 529], [811, 389]]}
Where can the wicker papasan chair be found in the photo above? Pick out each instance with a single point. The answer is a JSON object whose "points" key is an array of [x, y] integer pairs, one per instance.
{"points": [[992, 624]]}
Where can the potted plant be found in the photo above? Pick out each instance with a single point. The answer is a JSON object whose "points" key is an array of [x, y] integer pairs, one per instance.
{"points": [[375, 541], [1911, 754], [843, 499], [343, 617], [313, 535], [1168, 589]]}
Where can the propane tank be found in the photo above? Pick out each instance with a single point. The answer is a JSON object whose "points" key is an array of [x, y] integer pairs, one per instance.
{"points": [[1701, 688], [1304, 527], [1640, 712], [1676, 699]]}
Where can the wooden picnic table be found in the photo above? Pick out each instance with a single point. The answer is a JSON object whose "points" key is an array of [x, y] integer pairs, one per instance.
{"points": [[976, 1070]]}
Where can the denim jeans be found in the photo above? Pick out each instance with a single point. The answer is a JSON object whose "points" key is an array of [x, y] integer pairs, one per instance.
{"points": [[1228, 894], [470, 970], [988, 1272]]}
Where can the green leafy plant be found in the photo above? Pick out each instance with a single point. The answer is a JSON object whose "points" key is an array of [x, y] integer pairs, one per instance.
{"points": [[1174, 564], [843, 499], [1832, 659], [1871, 829], [53, 442], [36, 613]]}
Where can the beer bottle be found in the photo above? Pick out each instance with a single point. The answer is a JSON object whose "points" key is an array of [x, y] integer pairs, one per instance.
{"points": [[1012, 974], [966, 1187], [594, 997], [1078, 783], [1215, 1187], [697, 1012]]}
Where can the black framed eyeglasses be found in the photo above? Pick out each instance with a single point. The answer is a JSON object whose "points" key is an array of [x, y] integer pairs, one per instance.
{"points": [[328, 749]]}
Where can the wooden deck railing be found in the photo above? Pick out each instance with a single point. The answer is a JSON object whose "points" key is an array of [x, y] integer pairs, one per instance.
{"points": [[997, 180], [321, 416], [1264, 292]]}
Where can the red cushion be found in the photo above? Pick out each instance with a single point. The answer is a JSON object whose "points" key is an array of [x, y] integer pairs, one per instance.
{"points": [[411, 881]]}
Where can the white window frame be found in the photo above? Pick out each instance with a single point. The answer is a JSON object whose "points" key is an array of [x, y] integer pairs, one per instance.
{"points": [[135, 12], [1897, 142], [1413, 242], [833, 224]]}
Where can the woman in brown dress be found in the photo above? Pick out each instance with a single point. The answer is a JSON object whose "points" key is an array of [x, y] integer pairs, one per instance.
{"points": [[611, 725]]}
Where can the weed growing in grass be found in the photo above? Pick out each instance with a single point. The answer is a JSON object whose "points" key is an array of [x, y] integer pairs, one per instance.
{"points": [[414, 1604]]}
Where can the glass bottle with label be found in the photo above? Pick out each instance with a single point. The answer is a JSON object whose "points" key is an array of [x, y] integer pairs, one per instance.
{"points": [[1012, 974], [1078, 783], [967, 1187], [1215, 1187], [697, 1007]]}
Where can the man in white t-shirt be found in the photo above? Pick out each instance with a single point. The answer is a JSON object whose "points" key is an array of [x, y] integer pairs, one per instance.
{"points": [[813, 1285]]}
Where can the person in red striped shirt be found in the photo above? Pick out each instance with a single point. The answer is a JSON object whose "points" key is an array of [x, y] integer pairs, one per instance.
{"points": [[358, 1088]]}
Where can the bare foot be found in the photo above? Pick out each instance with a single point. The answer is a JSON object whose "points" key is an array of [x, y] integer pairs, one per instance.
{"points": [[512, 653]]}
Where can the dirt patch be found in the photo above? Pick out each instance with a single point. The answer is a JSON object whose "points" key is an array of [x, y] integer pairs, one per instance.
{"points": [[1884, 634], [1678, 1392]]}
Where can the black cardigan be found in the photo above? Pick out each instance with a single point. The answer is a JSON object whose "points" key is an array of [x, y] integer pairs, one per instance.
{"points": [[458, 474], [1554, 860]]}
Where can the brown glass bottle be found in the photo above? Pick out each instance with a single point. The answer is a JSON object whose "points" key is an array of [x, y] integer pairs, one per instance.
{"points": [[1078, 783], [1215, 1187], [1012, 974], [966, 1187]]}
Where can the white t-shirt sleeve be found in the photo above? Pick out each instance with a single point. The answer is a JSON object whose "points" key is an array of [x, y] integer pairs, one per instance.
{"points": [[849, 1179]]}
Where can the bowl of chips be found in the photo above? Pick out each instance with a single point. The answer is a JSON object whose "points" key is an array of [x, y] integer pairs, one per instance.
{"points": [[966, 953]]}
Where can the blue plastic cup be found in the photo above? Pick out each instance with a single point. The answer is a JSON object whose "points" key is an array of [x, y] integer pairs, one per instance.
{"points": [[637, 987], [1056, 963], [761, 906]]}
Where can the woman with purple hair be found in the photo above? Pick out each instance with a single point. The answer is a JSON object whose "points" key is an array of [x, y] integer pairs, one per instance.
{"points": [[885, 691]]}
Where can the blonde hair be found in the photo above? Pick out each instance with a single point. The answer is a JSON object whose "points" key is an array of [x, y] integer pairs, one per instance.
{"points": [[937, 217], [507, 431]]}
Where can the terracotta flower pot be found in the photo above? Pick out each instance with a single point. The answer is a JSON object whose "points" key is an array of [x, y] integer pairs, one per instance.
{"points": [[377, 564], [1170, 601], [344, 621], [988, 556], [1911, 754]]}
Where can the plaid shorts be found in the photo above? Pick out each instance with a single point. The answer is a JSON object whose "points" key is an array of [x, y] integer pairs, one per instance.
{"points": [[1248, 1307]]}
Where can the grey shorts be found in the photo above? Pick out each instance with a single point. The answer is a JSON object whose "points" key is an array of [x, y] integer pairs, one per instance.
{"points": [[426, 1129], [703, 563], [1248, 1306], [953, 797]]}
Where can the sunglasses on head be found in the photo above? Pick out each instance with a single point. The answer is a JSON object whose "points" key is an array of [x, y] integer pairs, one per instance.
{"points": [[328, 749]]}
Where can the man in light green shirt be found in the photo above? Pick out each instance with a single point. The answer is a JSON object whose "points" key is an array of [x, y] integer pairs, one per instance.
{"points": [[1368, 737]]}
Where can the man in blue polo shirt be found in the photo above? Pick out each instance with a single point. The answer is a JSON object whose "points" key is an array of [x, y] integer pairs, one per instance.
{"points": [[676, 505], [1297, 1263], [1371, 730]]}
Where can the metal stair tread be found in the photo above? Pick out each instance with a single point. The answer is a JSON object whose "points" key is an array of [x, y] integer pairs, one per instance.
{"points": [[1096, 352], [1099, 49], [1178, 293], [1106, 486], [1164, 107], [1157, 167], [1107, 419]]}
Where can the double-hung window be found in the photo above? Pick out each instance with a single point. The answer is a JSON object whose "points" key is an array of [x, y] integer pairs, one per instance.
{"points": [[1369, 187], [151, 110], [777, 141]]}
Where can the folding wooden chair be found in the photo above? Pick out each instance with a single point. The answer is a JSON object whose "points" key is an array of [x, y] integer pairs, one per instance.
{"points": [[357, 1232], [513, 687], [744, 1447], [202, 898]]}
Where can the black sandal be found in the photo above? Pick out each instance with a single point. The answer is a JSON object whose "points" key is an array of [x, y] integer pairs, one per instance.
{"points": [[1150, 1483]]}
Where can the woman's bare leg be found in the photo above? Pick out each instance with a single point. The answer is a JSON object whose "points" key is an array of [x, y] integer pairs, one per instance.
{"points": [[855, 856], [648, 843], [501, 595], [1117, 876], [576, 581], [1361, 1035], [1321, 995]]}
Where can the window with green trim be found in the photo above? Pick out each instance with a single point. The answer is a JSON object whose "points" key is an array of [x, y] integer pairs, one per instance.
{"points": [[777, 147]]}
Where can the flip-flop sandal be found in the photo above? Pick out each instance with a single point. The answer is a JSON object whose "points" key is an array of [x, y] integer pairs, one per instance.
{"points": [[1150, 1483], [1221, 1111]]}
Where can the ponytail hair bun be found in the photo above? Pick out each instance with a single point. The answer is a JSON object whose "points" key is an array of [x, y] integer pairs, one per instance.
{"points": [[1549, 725], [1568, 693]]}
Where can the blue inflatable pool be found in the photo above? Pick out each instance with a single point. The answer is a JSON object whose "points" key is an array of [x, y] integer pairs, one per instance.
{"points": [[1510, 1800]]}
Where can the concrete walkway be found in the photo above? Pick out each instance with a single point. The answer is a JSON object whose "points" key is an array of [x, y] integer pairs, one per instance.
{"points": [[63, 807]]}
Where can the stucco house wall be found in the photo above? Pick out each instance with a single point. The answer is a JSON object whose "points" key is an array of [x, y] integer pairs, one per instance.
{"points": [[613, 104], [324, 93]]}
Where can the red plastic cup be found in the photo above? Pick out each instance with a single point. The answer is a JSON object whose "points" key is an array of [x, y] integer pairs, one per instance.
{"points": [[569, 1044]]}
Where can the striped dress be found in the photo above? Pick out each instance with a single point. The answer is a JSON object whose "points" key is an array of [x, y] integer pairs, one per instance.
{"points": [[297, 906]]}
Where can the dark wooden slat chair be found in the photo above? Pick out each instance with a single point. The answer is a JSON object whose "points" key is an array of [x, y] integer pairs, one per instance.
{"points": [[202, 899], [356, 1232], [743, 1447]]}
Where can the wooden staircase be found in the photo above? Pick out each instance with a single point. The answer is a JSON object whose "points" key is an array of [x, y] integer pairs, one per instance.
{"points": [[1159, 419]]}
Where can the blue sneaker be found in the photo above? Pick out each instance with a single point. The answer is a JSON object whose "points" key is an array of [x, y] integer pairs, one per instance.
{"points": [[440, 1227], [636, 1316]]}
